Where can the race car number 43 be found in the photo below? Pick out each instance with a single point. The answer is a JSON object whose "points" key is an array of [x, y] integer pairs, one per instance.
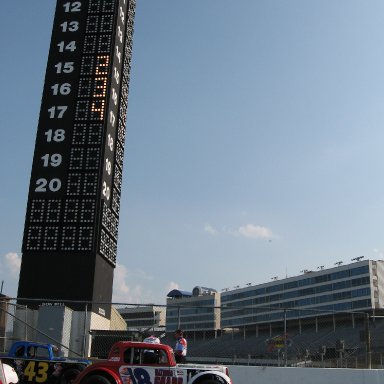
{"points": [[36, 371]]}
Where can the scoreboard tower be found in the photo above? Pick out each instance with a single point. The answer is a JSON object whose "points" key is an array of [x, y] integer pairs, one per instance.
{"points": [[71, 225]]}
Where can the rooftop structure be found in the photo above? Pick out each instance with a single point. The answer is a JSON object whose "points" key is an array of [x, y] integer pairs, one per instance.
{"points": [[197, 310]]}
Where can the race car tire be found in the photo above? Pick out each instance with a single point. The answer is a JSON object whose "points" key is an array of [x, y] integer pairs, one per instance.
{"points": [[69, 375], [96, 379]]}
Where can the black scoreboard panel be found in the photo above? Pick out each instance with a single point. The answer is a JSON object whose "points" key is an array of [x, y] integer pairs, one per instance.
{"points": [[71, 224]]}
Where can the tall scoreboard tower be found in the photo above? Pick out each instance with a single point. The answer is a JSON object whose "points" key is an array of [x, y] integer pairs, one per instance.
{"points": [[71, 226]]}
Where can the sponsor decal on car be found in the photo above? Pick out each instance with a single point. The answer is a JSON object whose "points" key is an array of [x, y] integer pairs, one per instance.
{"points": [[139, 375]]}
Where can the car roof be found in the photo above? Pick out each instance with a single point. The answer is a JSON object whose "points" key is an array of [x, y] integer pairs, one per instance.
{"points": [[140, 344], [36, 343]]}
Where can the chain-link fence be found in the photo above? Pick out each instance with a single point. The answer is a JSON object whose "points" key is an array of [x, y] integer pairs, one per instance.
{"points": [[287, 337]]}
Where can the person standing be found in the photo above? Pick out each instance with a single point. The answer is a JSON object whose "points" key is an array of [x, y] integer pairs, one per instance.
{"points": [[181, 347]]}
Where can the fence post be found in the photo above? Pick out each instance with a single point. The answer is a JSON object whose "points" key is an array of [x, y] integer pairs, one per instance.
{"points": [[178, 317], [285, 339], [368, 342], [26, 322], [85, 331]]}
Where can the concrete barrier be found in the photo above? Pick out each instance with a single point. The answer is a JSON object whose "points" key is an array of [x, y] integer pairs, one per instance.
{"points": [[284, 375]]}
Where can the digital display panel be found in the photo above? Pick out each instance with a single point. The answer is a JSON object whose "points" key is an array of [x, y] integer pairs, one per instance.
{"points": [[75, 186]]}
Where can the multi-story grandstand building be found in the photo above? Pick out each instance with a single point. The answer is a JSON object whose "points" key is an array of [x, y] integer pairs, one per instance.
{"points": [[356, 287], [335, 311]]}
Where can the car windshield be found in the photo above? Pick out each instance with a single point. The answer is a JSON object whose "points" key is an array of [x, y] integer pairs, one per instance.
{"points": [[138, 356]]}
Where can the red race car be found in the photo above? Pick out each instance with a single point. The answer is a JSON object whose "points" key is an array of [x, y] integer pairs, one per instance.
{"points": [[146, 363]]}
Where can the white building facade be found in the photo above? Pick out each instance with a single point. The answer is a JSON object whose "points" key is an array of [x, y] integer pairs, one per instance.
{"points": [[356, 287]]}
